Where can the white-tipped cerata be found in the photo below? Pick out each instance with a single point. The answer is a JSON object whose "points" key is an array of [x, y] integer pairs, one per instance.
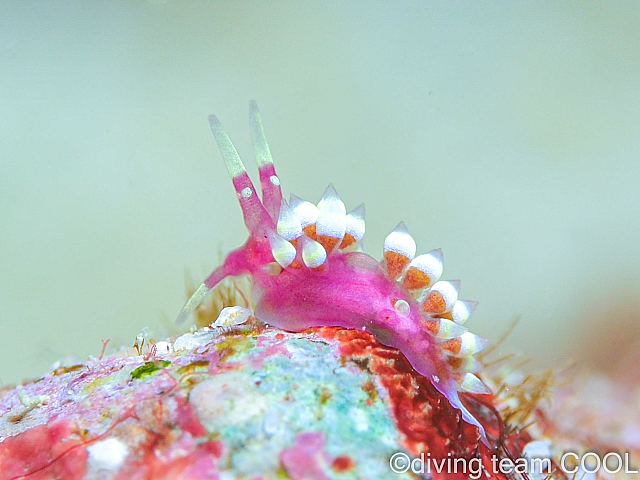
{"points": [[399, 249], [462, 310], [313, 254], [465, 364], [465, 345], [289, 226], [441, 297], [424, 270], [449, 329], [473, 384], [283, 252], [332, 222], [306, 211], [355, 226]]}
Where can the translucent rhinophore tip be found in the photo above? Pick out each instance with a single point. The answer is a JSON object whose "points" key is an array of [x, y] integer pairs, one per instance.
{"points": [[228, 151], [260, 145]]}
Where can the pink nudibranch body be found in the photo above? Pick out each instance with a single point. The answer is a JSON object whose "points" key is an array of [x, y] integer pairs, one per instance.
{"points": [[308, 270]]}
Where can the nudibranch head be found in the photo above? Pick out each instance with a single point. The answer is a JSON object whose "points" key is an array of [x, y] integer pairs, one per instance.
{"points": [[308, 270]]}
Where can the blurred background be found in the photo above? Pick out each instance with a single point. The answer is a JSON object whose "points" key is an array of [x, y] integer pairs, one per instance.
{"points": [[506, 134]]}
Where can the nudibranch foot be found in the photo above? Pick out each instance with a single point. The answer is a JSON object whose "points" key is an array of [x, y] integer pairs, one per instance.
{"points": [[308, 270]]}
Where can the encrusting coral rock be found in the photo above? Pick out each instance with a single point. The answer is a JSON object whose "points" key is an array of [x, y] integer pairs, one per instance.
{"points": [[327, 403], [250, 402]]}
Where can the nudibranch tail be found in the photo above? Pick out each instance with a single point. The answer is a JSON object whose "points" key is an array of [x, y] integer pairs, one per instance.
{"points": [[308, 270]]}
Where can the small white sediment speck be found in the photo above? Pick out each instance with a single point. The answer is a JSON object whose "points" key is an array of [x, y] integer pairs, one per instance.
{"points": [[107, 454], [162, 348], [436, 378], [359, 419]]}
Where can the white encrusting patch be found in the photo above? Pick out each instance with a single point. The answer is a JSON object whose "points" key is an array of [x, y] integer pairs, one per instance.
{"points": [[107, 454], [289, 226], [400, 241], [306, 211], [193, 340], [274, 180], [359, 418], [246, 192], [228, 400]]}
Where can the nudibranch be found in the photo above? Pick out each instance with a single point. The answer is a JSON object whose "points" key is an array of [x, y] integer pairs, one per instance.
{"points": [[308, 270]]}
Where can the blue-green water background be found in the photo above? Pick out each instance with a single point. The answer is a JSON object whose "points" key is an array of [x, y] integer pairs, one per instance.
{"points": [[506, 133]]}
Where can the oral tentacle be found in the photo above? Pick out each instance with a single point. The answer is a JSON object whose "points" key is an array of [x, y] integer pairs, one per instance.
{"points": [[201, 292]]}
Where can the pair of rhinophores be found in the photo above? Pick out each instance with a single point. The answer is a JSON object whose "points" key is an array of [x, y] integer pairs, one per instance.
{"points": [[309, 270]]}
